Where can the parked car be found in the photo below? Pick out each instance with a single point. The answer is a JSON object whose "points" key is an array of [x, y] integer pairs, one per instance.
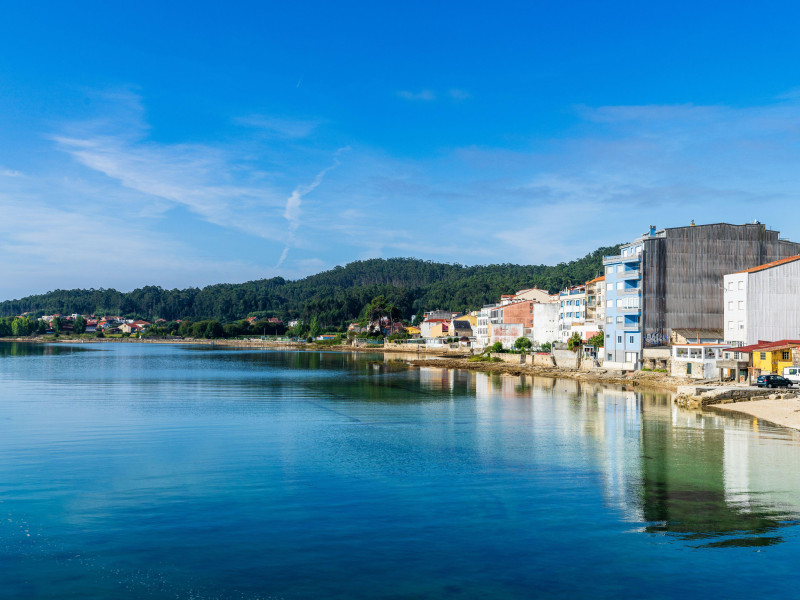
{"points": [[771, 381]]}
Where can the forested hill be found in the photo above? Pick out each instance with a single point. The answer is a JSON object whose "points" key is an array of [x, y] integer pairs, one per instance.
{"points": [[335, 296]]}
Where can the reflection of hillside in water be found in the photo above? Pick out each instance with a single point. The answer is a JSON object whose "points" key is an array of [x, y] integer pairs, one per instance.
{"points": [[36, 349], [713, 479]]}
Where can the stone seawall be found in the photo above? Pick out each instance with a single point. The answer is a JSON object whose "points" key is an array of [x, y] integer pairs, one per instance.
{"points": [[690, 396]]}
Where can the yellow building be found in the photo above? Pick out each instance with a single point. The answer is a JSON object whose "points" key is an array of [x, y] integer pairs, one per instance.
{"points": [[770, 357], [439, 330]]}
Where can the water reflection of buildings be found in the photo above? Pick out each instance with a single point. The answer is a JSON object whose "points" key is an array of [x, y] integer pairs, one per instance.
{"points": [[702, 476]]}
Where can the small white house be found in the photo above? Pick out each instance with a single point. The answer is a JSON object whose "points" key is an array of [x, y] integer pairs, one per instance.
{"points": [[696, 361]]}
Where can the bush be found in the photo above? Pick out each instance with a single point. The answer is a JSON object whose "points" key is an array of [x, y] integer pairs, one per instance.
{"points": [[99, 334], [484, 358], [575, 342], [523, 344], [496, 347]]}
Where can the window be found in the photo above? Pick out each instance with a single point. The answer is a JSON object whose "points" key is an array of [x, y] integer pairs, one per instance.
{"points": [[785, 356], [619, 339], [609, 319], [609, 304], [731, 285], [630, 339], [609, 287], [741, 324], [619, 303], [609, 270], [620, 319], [730, 304], [763, 355], [741, 285], [610, 356], [730, 325], [620, 285], [741, 304], [620, 268]]}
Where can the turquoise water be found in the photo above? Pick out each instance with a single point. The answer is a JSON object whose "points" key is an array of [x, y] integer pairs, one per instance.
{"points": [[144, 471]]}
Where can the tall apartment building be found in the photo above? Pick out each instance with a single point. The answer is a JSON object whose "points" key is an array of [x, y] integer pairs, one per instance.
{"points": [[763, 303], [596, 302], [572, 309], [673, 279]]}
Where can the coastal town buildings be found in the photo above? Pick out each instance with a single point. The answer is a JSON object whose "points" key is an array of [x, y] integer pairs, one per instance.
{"points": [[673, 279]]}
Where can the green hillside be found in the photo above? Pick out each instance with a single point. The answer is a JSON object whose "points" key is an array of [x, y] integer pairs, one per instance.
{"points": [[334, 296]]}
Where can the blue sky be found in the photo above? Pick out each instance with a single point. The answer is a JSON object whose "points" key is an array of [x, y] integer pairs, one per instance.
{"points": [[200, 142]]}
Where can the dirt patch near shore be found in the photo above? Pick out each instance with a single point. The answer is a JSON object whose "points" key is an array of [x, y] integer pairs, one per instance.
{"points": [[644, 378]]}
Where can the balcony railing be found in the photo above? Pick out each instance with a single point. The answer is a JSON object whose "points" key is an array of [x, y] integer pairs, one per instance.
{"points": [[629, 274], [631, 291], [628, 309]]}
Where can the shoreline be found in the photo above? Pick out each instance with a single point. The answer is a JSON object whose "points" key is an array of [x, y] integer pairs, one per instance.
{"points": [[640, 378], [425, 358]]}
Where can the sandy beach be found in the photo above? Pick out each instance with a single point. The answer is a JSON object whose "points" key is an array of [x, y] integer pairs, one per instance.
{"points": [[782, 412]]}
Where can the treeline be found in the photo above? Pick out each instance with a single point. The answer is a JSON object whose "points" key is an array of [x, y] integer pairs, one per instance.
{"points": [[334, 297]]}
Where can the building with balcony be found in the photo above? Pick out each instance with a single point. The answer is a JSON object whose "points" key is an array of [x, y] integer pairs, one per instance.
{"points": [[571, 308], [673, 279], [596, 302]]}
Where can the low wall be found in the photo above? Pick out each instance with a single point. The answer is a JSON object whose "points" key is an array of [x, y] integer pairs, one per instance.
{"points": [[514, 359], [566, 359], [542, 359], [690, 396]]}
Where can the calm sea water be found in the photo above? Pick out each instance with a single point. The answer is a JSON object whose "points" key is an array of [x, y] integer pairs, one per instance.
{"points": [[144, 471]]}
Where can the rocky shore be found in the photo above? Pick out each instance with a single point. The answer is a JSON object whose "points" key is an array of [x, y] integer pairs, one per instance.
{"points": [[642, 378]]}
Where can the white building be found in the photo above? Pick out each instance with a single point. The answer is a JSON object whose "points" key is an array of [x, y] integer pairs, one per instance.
{"points": [[545, 323], [481, 332], [697, 361], [505, 333], [571, 308], [763, 303]]}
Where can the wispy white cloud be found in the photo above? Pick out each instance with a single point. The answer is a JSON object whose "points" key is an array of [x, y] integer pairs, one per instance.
{"points": [[292, 211], [422, 95], [428, 95], [457, 94], [66, 248], [281, 127]]}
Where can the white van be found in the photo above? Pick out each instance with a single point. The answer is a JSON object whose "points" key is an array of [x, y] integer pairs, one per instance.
{"points": [[792, 374]]}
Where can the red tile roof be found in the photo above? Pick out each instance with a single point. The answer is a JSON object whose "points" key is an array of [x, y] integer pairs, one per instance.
{"points": [[774, 263], [766, 346], [596, 279]]}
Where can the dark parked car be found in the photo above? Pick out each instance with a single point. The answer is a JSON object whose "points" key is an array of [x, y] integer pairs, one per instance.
{"points": [[771, 381]]}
